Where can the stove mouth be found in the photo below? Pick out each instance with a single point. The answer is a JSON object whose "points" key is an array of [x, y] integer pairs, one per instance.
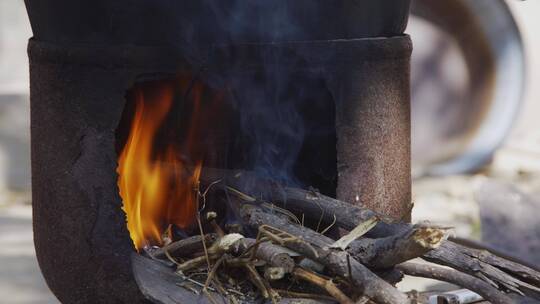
{"points": [[174, 126]]}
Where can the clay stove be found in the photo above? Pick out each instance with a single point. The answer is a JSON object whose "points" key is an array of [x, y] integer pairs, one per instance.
{"points": [[341, 70]]}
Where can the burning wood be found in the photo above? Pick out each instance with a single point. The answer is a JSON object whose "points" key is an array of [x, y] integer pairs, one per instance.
{"points": [[280, 256]]}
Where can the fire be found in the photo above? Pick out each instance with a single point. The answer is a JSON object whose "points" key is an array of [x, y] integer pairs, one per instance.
{"points": [[156, 180]]}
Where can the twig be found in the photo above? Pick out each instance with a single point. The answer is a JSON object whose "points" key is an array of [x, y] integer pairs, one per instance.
{"points": [[241, 194], [273, 207], [187, 278], [473, 244], [212, 272], [169, 257], [283, 238], [185, 247], [219, 287], [498, 272], [488, 292], [193, 263], [320, 220], [257, 280], [327, 228], [327, 285], [252, 247], [209, 296], [386, 252], [211, 218], [204, 243], [232, 299], [303, 295]]}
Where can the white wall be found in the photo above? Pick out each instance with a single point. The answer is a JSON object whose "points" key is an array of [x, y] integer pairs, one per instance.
{"points": [[14, 103]]}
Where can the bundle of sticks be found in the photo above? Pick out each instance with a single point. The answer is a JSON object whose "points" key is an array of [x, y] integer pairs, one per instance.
{"points": [[295, 243]]}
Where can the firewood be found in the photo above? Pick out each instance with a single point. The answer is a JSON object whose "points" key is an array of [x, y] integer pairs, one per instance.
{"points": [[274, 255], [484, 265], [495, 270], [301, 295], [308, 202], [185, 247], [325, 284], [488, 292], [295, 300], [192, 264], [337, 261], [501, 273], [377, 253], [384, 253]]}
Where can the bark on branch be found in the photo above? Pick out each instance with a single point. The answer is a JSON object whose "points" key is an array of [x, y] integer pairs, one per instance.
{"points": [[339, 262], [497, 271], [482, 288], [185, 247], [386, 252]]}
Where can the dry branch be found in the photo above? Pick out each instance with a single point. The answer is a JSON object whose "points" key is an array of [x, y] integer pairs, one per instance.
{"points": [[484, 265], [482, 288], [337, 261], [274, 255], [302, 295], [386, 252], [185, 247], [299, 201], [378, 253], [497, 271], [325, 284], [493, 270], [501, 273]]}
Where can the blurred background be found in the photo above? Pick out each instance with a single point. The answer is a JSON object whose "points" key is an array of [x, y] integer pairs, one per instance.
{"points": [[475, 133]]}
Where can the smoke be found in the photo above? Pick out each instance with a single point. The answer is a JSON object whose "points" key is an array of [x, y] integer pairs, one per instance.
{"points": [[254, 21], [270, 96], [271, 122]]}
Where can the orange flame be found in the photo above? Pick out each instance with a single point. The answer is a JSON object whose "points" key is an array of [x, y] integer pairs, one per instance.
{"points": [[153, 182]]}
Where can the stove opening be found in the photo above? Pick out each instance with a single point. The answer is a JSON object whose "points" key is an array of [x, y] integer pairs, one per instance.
{"points": [[174, 127], [180, 141]]}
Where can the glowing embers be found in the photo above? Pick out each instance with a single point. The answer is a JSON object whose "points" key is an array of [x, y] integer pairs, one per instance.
{"points": [[159, 164]]}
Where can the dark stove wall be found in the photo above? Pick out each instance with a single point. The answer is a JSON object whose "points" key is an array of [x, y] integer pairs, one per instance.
{"points": [[77, 97]]}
